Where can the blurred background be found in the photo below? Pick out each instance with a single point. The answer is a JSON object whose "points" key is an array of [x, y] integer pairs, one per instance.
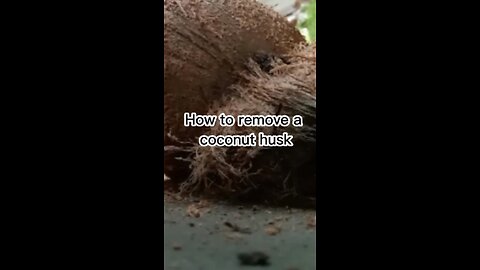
{"points": [[300, 12]]}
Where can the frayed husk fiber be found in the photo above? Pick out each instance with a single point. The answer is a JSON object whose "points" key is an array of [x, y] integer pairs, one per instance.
{"points": [[269, 84]]}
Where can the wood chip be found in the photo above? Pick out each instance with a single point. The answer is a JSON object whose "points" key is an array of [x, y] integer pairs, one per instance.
{"points": [[312, 222], [237, 228], [196, 210], [272, 230], [193, 211]]}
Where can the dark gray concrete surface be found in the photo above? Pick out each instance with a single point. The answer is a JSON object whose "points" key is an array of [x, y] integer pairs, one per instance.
{"points": [[214, 239]]}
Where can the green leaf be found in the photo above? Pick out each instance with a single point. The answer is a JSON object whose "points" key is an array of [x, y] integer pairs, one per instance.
{"points": [[312, 20], [310, 23]]}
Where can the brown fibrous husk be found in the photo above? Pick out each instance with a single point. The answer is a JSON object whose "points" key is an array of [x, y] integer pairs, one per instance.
{"points": [[206, 44], [269, 84]]}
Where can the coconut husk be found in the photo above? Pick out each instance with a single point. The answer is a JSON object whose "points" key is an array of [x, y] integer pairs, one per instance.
{"points": [[269, 84], [206, 44]]}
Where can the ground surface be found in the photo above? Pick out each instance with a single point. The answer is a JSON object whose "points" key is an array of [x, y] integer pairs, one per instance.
{"points": [[201, 235]]}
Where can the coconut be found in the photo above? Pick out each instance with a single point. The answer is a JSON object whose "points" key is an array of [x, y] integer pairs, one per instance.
{"points": [[237, 57], [205, 43], [270, 85]]}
